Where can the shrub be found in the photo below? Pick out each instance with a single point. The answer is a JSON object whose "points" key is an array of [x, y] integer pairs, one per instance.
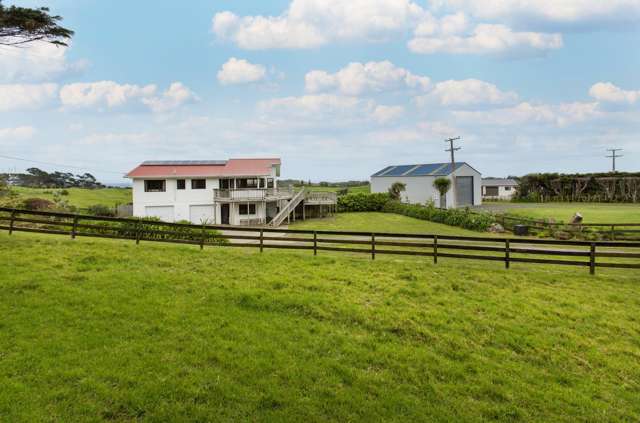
{"points": [[362, 202], [37, 204], [463, 218], [101, 210], [64, 192]]}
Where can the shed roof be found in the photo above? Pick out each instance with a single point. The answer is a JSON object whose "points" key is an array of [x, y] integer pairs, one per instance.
{"points": [[204, 168], [427, 169]]}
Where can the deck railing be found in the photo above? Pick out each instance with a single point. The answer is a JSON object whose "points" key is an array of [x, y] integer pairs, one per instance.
{"points": [[252, 194], [321, 197]]}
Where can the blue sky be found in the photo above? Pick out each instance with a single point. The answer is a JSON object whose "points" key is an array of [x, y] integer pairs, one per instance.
{"points": [[336, 89]]}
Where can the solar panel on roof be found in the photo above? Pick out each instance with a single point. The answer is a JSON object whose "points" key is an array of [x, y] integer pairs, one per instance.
{"points": [[399, 170], [380, 172], [425, 169]]}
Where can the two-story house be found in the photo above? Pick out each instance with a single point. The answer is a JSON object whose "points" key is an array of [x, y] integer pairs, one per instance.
{"points": [[234, 191]]}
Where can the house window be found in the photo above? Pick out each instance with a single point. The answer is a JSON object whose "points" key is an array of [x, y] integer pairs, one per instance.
{"points": [[247, 209], [181, 184], [507, 188], [247, 183], [270, 183], [198, 184], [226, 183], [154, 185]]}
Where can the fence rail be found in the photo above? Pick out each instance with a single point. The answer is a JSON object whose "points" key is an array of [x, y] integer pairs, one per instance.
{"points": [[507, 250]]}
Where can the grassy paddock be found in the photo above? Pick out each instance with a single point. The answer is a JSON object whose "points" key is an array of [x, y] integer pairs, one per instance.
{"points": [[104, 329], [81, 197], [563, 212]]}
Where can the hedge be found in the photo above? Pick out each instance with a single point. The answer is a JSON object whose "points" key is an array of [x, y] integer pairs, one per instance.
{"points": [[362, 202]]}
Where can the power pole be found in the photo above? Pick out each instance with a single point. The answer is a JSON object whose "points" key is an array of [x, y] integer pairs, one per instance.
{"points": [[613, 156], [453, 167]]}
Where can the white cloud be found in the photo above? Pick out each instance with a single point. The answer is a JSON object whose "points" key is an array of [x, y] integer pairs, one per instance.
{"points": [[173, 97], [37, 61], [312, 23], [110, 94], [385, 114], [526, 113], [467, 93], [316, 107], [357, 78], [26, 96], [240, 71], [543, 12], [17, 133], [609, 93], [484, 39]]}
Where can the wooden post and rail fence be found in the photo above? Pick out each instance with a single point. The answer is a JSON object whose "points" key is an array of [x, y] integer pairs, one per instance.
{"points": [[590, 254]]}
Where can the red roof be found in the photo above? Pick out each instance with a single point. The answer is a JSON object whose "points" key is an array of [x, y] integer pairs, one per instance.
{"points": [[232, 167]]}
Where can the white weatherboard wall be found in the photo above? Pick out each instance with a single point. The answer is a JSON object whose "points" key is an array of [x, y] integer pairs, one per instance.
{"points": [[503, 192], [157, 203], [420, 190]]}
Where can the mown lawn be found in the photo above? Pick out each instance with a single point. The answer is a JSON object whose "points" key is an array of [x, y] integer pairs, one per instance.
{"points": [[351, 190], [107, 330], [81, 197], [563, 212], [381, 222]]}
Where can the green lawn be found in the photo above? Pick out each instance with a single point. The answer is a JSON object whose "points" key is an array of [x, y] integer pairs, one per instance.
{"points": [[81, 197], [592, 212], [381, 222], [352, 190], [107, 330]]}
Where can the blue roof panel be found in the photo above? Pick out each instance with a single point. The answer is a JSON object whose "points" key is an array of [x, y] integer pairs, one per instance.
{"points": [[380, 172], [425, 169], [399, 170]]}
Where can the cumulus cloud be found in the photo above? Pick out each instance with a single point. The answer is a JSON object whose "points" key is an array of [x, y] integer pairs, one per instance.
{"points": [[316, 106], [609, 93], [467, 93], [385, 114], [358, 78], [110, 94], [17, 133], [35, 62], [26, 96], [452, 37], [545, 13], [240, 71], [526, 113], [312, 23]]}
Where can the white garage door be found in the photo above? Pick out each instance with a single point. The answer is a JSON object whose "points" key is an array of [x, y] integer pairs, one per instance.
{"points": [[164, 213], [201, 214]]}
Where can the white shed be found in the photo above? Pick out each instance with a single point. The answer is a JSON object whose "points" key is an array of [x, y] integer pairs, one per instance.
{"points": [[418, 179]]}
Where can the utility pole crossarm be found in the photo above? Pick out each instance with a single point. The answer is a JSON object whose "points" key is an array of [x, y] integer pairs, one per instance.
{"points": [[614, 156]]}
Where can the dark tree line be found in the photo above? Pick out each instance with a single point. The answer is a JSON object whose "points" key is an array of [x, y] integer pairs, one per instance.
{"points": [[37, 178], [591, 187]]}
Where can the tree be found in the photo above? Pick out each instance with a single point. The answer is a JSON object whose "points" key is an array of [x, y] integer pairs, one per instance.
{"points": [[22, 25], [395, 189], [442, 185]]}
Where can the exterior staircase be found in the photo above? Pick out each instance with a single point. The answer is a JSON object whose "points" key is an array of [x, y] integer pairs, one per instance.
{"points": [[288, 209]]}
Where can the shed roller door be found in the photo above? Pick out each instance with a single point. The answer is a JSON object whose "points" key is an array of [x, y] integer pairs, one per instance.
{"points": [[464, 191], [164, 213]]}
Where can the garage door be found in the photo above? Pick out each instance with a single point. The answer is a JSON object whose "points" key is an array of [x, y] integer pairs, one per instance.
{"points": [[164, 213], [464, 191], [201, 214]]}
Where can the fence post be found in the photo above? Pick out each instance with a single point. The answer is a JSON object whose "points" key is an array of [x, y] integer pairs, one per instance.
{"points": [[613, 232], [507, 254], [315, 243], [261, 239], [13, 216], [74, 227], [435, 249], [138, 232], [592, 259], [202, 236], [373, 246]]}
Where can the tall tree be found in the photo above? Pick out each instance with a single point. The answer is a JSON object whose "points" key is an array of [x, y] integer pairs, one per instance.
{"points": [[22, 25]]}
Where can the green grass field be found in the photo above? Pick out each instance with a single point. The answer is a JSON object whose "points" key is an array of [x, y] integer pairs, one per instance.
{"points": [[563, 212], [81, 197], [381, 222], [107, 330], [352, 190]]}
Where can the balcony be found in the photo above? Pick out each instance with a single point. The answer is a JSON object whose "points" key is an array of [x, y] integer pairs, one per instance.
{"points": [[252, 194]]}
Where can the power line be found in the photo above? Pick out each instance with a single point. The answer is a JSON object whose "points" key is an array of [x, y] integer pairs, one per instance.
{"points": [[61, 165], [613, 156], [453, 166]]}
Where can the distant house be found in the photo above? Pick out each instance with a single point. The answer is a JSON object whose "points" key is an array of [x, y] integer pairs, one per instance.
{"points": [[418, 179], [498, 189]]}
